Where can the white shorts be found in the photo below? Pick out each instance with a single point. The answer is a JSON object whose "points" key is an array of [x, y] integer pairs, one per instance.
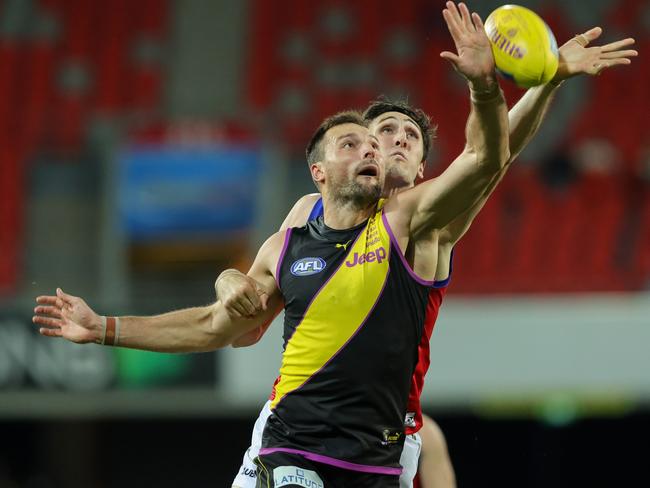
{"points": [[246, 477]]}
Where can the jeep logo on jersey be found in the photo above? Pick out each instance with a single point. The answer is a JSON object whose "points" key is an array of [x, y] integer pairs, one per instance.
{"points": [[307, 266], [379, 255]]}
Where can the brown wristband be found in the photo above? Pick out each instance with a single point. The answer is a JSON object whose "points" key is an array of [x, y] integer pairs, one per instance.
{"points": [[111, 332]]}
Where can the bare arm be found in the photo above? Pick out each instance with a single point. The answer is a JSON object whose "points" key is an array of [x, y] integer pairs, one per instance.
{"points": [[575, 58], [435, 469], [189, 330], [434, 204], [527, 115], [68, 316]]}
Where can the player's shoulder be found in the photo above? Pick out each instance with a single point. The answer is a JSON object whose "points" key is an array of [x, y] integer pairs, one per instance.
{"points": [[309, 198], [301, 210], [306, 202], [304, 206], [275, 242]]}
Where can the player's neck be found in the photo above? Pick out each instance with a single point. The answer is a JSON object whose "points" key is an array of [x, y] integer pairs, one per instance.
{"points": [[391, 188], [341, 215]]}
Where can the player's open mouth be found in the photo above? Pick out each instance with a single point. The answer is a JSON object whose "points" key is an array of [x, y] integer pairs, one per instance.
{"points": [[369, 170]]}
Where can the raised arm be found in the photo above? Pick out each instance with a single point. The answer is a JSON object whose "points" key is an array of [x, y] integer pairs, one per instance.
{"points": [[526, 117], [194, 329], [575, 58], [434, 204]]}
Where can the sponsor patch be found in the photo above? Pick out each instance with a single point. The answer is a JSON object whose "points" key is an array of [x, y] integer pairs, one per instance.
{"points": [[369, 257], [390, 437], [307, 266], [292, 475]]}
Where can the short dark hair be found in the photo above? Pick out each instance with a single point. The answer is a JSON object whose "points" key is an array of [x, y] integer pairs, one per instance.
{"points": [[314, 148], [384, 104]]}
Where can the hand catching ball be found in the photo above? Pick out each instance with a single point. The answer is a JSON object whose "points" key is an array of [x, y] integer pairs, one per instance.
{"points": [[525, 50]]}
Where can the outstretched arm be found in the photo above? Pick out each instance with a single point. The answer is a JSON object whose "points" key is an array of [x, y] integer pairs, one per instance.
{"points": [[575, 58], [434, 204], [190, 330], [70, 317], [527, 115]]}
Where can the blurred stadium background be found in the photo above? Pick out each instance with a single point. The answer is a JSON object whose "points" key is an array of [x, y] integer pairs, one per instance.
{"points": [[147, 145]]}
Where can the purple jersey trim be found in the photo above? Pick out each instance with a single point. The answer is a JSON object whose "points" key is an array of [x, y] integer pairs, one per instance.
{"points": [[393, 239], [287, 237], [364, 468], [445, 282]]}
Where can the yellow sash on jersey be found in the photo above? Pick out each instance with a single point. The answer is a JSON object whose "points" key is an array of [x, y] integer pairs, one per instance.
{"points": [[339, 309]]}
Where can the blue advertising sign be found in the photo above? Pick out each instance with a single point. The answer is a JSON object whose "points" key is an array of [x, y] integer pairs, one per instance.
{"points": [[184, 191]]}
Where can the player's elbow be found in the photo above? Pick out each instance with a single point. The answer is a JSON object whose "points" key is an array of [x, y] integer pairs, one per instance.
{"points": [[245, 342]]}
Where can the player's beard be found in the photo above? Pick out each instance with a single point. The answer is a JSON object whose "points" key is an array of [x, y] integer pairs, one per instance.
{"points": [[357, 194]]}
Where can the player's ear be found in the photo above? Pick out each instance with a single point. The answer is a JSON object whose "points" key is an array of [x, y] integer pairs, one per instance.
{"points": [[317, 172], [423, 163]]}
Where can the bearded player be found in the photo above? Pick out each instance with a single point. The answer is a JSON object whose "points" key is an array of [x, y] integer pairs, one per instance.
{"points": [[405, 136]]}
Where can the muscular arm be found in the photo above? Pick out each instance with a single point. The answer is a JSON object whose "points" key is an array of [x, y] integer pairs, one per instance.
{"points": [[526, 117], [190, 330], [434, 204]]}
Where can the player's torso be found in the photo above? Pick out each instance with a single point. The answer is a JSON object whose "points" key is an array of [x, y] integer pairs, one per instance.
{"points": [[354, 317]]}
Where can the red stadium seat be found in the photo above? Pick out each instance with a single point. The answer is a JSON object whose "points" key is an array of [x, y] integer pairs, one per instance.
{"points": [[9, 64], [38, 87], [11, 212]]}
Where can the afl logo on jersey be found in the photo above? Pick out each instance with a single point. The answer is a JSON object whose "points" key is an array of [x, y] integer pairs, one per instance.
{"points": [[307, 266]]}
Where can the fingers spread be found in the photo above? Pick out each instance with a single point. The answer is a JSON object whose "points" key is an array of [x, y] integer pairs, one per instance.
{"points": [[466, 17], [50, 332], [629, 53], [47, 321], [46, 300], [613, 46], [617, 62], [47, 310], [452, 24], [453, 10], [69, 299], [478, 22]]}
